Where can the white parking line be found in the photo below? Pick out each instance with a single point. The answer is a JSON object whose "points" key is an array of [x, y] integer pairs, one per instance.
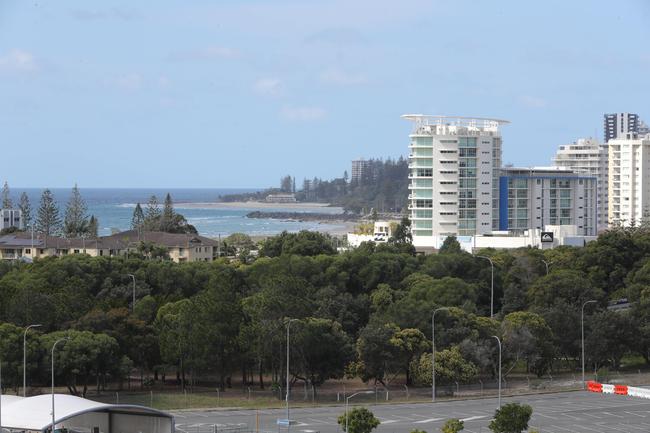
{"points": [[614, 415], [472, 418], [424, 421]]}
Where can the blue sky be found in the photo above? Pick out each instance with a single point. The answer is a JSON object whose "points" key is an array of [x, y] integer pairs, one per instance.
{"points": [[238, 93]]}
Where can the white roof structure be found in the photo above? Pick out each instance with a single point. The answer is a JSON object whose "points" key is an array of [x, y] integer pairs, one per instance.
{"points": [[35, 414]]}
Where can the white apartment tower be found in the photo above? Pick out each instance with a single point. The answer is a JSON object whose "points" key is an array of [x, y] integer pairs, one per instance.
{"points": [[454, 176], [588, 156], [629, 180]]}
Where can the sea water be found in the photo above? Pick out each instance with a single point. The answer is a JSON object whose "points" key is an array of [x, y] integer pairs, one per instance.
{"points": [[113, 207]]}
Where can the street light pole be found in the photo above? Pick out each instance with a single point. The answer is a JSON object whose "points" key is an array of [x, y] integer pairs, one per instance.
{"points": [[547, 264], [499, 341], [25, 357], [133, 278], [491, 284], [288, 391], [347, 400], [433, 353], [582, 327], [53, 347]]}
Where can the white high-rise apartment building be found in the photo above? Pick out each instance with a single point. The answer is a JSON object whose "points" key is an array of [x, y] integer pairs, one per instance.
{"points": [[454, 176], [629, 180], [588, 156]]}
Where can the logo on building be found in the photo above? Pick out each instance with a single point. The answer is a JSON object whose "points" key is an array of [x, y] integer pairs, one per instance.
{"points": [[547, 236]]}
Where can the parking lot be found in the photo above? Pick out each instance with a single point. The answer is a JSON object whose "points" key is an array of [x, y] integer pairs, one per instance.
{"points": [[574, 412]]}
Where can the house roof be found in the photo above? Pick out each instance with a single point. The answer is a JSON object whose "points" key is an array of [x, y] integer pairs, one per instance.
{"points": [[117, 241], [35, 413]]}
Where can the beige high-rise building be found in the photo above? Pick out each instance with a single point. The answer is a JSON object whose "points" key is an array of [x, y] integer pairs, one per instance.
{"points": [[629, 180]]}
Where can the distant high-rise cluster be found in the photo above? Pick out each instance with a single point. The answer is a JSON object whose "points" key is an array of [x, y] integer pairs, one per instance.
{"points": [[458, 186]]}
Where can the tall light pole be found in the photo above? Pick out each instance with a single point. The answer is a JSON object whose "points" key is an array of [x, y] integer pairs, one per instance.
{"points": [[133, 278], [433, 352], [25, 357], [499, 341], [53, 347], [582, 327], [547, 264], [288, 389], [491, 284], [347, 400]]}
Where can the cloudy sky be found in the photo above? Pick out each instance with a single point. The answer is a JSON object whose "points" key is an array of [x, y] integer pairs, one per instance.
{"points": [[236, 93]]}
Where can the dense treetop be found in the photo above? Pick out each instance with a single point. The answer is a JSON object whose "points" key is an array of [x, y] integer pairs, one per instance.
{"points": [[365, 313]]}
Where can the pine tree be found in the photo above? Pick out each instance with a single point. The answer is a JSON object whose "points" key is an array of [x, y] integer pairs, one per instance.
{"points": [[167, 219], [6, 197], [26, 211], [48, 220], [93, 227], [75, 222], [152, 218], [137, 221]]}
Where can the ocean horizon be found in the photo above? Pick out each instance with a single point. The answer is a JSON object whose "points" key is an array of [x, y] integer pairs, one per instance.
{"points": [[113, 207]]}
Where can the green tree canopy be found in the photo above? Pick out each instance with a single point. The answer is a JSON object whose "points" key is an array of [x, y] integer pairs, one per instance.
{"points": [[358, 420], [452, 426], [511, 418]]}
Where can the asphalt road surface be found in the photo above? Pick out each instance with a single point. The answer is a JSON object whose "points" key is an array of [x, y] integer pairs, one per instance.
{"points": [[568, 412]]}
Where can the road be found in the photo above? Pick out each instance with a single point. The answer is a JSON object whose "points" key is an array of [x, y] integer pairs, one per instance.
{"points": [[568, 412]]}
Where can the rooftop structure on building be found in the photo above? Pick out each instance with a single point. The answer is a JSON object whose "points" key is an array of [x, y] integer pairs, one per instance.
{"points": [[621, 125], [453, 170], [588, 156]]}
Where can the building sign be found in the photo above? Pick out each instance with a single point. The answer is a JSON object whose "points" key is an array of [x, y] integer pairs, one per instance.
{"points": [[547, 236]]}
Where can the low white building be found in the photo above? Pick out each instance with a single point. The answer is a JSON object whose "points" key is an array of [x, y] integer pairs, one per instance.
{"points": [[550, 236], [381, 233], [34, 414]]}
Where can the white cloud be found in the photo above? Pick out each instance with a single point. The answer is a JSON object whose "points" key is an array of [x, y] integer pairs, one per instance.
{"points": [[164, 82], [209, 53], [268, 86], [302, 114], [18, 60], [533, 101], [130, 82], [339, 77]]}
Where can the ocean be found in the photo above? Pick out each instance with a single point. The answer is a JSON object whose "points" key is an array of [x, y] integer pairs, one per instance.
{"points": [[113, 207]]}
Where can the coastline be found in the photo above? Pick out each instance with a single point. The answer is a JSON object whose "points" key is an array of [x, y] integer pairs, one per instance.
{"points": [[255, 205]]}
